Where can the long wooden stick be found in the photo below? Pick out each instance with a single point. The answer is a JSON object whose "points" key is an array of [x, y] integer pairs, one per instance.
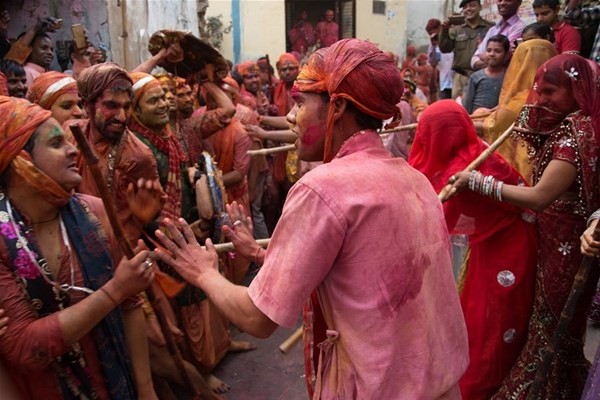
{"points": [[445, 192], [413, 126], [291, 341], [271, 150], [92, 162], [588, 266], [228, 246]]}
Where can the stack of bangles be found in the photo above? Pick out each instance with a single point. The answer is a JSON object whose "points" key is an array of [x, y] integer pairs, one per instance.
{"points": [[485, 185]]}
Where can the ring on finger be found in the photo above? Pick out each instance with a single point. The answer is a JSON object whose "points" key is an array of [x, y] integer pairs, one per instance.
{"points": [[148, 264], [237, 222], [453, 179]]}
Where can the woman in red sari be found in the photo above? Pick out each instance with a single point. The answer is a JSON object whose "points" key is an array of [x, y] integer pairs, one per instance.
{"points": [[497, 298], [560, 125]]}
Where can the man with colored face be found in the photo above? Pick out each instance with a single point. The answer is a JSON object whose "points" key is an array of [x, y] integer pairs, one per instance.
{"points": [[16, 81], [127, 164], [327, 32], [301, 35], [383, 306], [462, 40], [288, 67], [510, 25]]}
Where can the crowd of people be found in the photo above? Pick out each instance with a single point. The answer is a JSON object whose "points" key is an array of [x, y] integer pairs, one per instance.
{"points": [[360, 244]]}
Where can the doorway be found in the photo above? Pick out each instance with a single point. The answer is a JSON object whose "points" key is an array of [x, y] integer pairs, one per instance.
{"points": [[344, 15]]}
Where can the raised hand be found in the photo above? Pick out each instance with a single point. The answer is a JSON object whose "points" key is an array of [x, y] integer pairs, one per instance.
{"points": [[241, 232], [145, 199], [188, 258]]}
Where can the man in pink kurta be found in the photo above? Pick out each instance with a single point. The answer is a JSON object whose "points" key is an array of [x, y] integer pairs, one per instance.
{"points": [[362, 235], [367, 231], [327, 32]]}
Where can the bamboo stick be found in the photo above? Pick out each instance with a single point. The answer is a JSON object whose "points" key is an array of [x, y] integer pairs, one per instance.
{"points": [[271, 150], [291, 341], [228, 246], [445, 192], [413, 126]]}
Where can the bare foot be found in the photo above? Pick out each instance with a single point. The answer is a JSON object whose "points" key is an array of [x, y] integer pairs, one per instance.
{"points": [[238, 346], [216, 385]]}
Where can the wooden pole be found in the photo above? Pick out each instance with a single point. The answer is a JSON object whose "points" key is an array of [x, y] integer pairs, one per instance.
{"points": [[111, 211], [291, 341], [228, 246], [413, 126], [271, 150], [445, 192], [588, 265]]}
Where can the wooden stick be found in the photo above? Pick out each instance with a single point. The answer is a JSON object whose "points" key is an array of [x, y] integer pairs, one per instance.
{"points": [[111, 212], [228, 246], [271, 150], [445, 192], [291, 341], [413, 126], [588, 266]]}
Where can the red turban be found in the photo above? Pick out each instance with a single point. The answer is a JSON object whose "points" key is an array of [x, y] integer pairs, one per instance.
{"points": [[411, 50], [357, 71], [247, 68], [96, 79], [49, 86], [287, 58], [19, 119], [3, 85]]}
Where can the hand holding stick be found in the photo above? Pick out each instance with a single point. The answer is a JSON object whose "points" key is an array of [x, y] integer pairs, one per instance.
{"points": [[589, 266], [448, 189]]}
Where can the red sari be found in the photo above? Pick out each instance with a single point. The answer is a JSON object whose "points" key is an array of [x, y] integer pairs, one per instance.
{"points": [[497, 298]]}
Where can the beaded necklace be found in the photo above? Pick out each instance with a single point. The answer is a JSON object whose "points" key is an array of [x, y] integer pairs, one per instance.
{"points": [[41, 264]]}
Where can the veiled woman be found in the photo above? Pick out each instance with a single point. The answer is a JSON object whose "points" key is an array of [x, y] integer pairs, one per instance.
{"points": [[559, 126]]}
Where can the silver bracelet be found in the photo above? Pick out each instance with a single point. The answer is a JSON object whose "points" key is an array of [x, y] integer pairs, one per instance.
{"points": [[595, 215]]}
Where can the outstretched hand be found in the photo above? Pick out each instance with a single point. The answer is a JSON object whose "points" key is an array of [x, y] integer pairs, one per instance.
{"points": [[188, 258], [145, 199], [256, 131], [241, 232]]}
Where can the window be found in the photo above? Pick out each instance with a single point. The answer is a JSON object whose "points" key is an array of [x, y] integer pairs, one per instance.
{"points": [[378, 7]]}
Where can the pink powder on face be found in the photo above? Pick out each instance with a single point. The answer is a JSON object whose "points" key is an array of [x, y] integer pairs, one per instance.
{"points": [[311, 135]]}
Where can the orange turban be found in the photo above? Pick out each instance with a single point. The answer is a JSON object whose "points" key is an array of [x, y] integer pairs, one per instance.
{"points": [[3, 85], [357, 71], [19, 119], [287, 58], [247, 68], [97, 78], [49, 86], [141, 83]]}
